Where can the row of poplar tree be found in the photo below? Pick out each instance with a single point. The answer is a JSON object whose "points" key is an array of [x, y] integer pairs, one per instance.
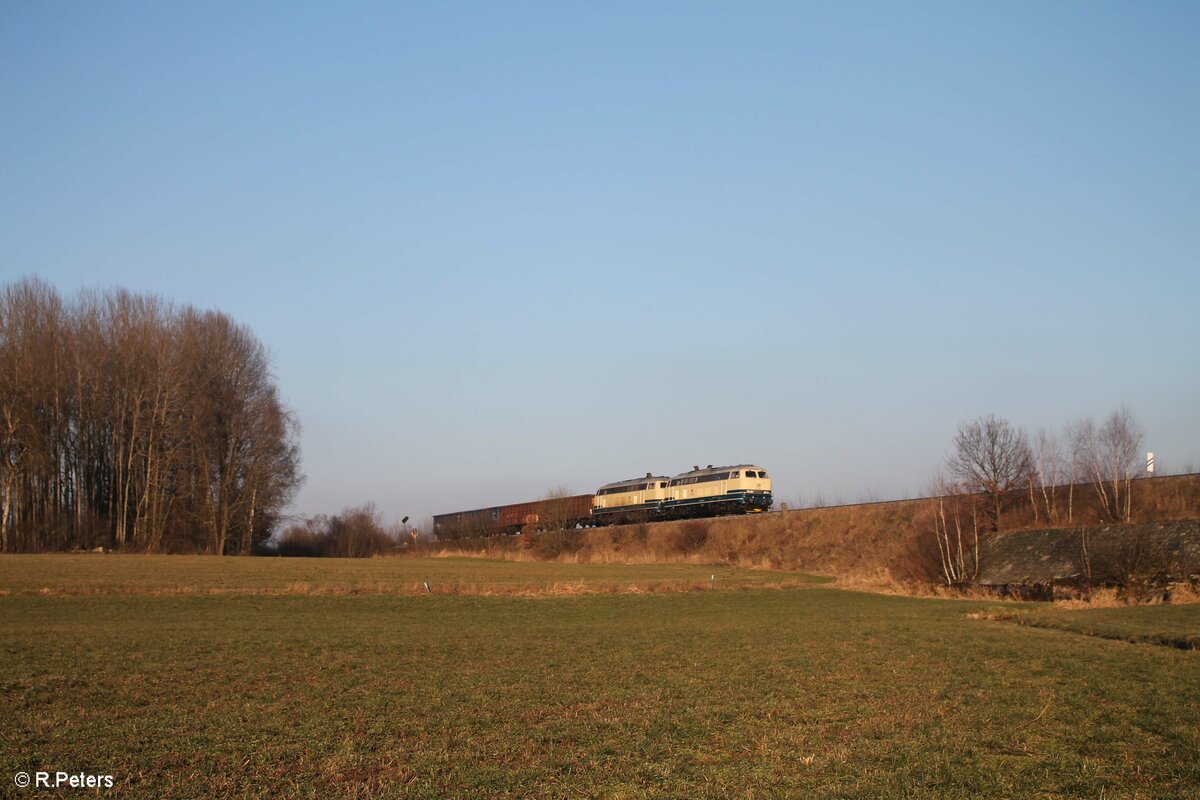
{"points": [[130, 422]]}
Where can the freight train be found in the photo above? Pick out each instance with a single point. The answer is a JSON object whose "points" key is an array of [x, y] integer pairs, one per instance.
{"points": [[708, 492]]}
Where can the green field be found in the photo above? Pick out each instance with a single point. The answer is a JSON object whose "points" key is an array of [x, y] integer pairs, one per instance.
{"points": [[207, 677]]}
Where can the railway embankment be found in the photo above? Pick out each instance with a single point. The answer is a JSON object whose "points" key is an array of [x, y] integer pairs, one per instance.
{"points": [[893, 541]]}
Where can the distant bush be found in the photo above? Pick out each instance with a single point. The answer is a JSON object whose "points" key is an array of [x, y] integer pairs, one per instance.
{"points": [[555, 543], [354, 533], [299, 541], [691, 536], [359, 532]]}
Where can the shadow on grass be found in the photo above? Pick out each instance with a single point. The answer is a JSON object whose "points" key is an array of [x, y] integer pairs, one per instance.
{"points": [[1162, 625]]}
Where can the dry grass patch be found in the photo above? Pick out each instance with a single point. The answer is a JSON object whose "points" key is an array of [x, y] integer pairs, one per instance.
{"points": [[170, 576]]}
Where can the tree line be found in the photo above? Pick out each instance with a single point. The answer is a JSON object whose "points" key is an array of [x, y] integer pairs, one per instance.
{"points": [[129, 422]]}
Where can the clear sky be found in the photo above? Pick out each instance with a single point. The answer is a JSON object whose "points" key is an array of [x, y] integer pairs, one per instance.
{"points": [[496, 248]]}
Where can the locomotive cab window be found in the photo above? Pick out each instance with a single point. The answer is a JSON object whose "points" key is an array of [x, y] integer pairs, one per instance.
{"points": [[751, 473], [736, 474]]}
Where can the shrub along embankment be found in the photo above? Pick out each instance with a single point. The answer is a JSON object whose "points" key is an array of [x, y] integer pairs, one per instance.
{"points": [[890, 541]]}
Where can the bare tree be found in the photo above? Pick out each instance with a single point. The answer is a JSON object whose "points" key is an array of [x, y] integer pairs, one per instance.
{"points": [[1079, 436], [556, 521], [12, 411], [1113, 453], [359, 533], [991, 457], [956, 529], [35, 414], [555, 512], [1048, 466]]}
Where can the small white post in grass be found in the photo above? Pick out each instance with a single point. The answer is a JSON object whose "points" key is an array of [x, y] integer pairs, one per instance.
{"points": [[712, 581], [427, 588]]}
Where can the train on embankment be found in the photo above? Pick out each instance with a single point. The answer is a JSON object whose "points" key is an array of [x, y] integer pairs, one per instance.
{"points": [[708, 492]]}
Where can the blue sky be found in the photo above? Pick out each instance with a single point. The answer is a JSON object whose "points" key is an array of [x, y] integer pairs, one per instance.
{"points": [[497, 248]]}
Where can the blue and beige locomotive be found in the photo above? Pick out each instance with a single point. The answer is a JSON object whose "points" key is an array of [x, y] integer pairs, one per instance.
{"points": [[708, 492]]}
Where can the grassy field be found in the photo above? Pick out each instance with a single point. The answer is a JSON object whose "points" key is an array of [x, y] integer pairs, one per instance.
{"points": [[192, 688]]}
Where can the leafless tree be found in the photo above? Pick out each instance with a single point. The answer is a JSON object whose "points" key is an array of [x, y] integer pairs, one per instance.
{"points": [[1048, 468], [13, 408], [1079, 436], [555, 511], [556, 521], [1113, 457], [991, 457], [955, 522], [359, 533]]}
